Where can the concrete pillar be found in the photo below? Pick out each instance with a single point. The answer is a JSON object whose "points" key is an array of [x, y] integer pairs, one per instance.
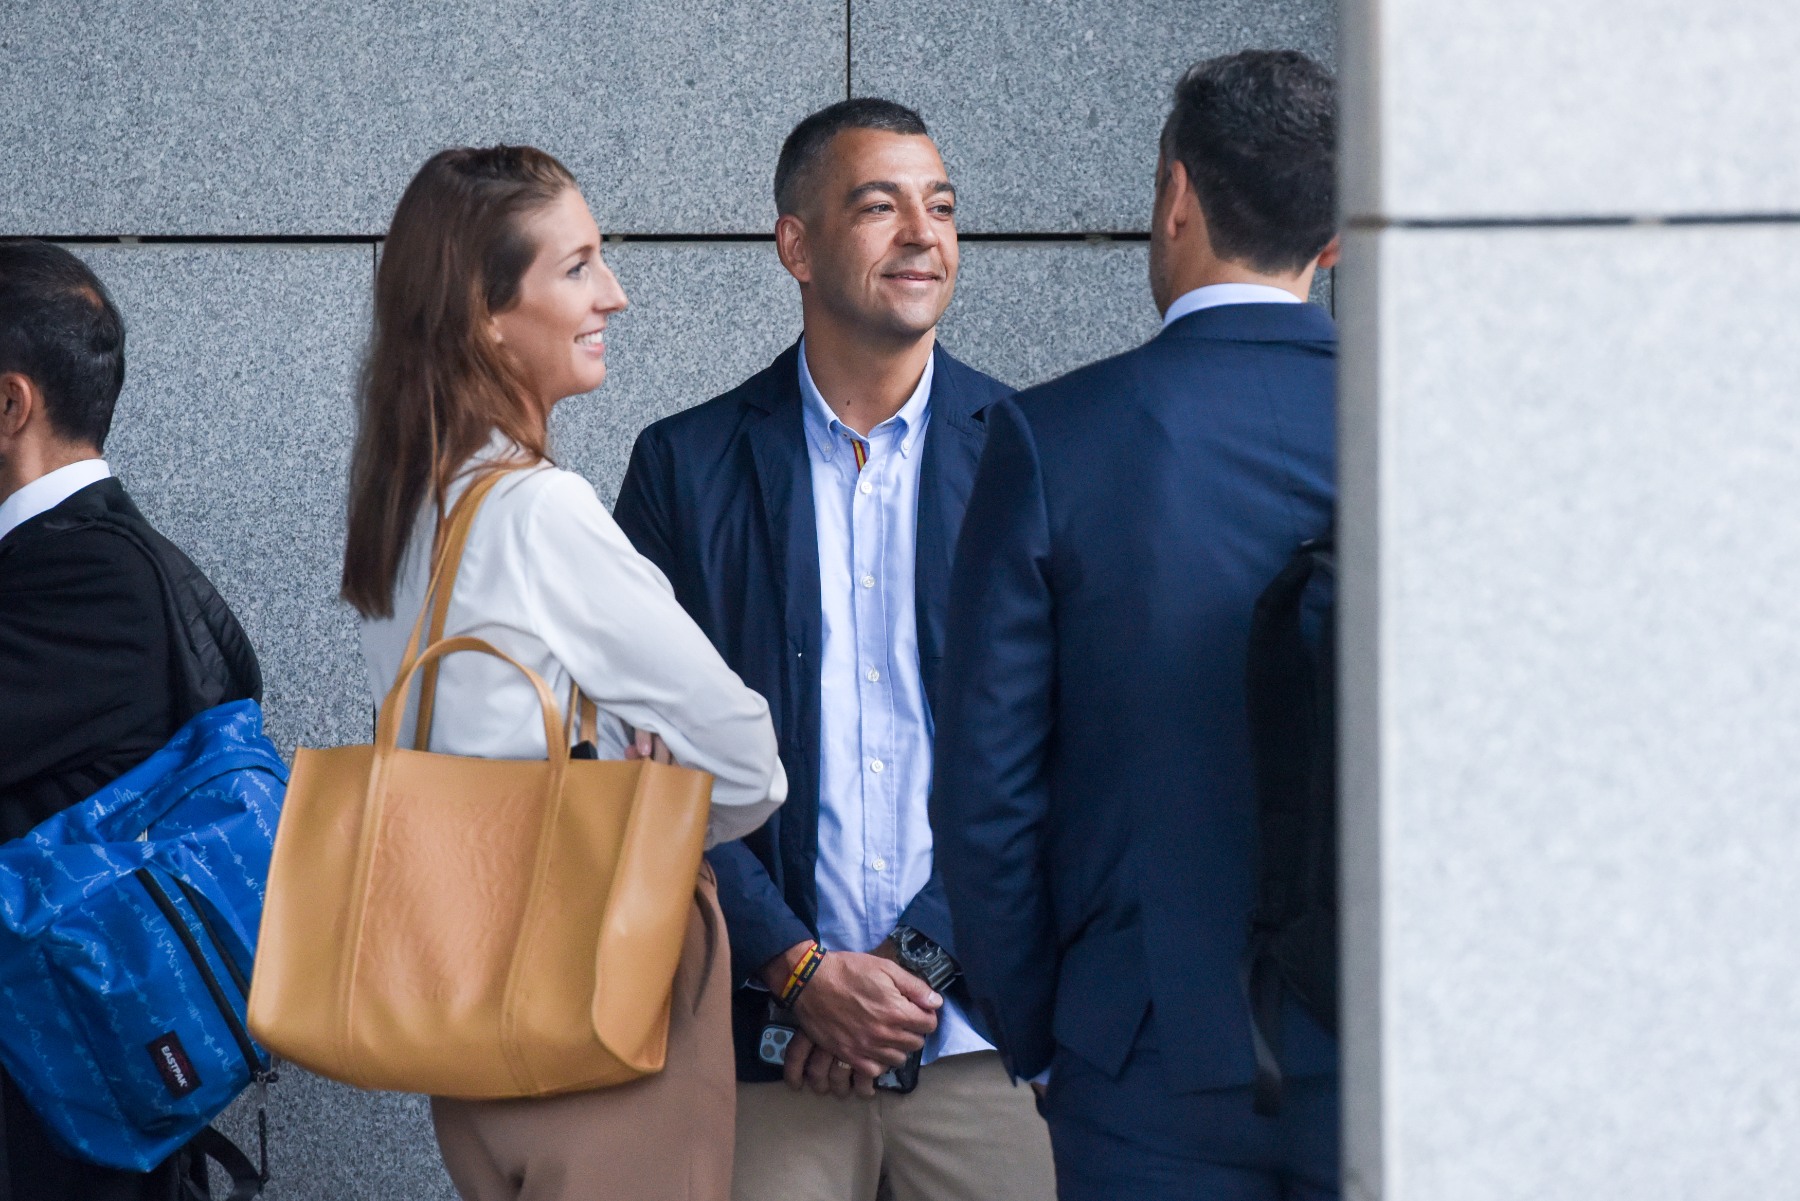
{"points": [[1571, 423]]}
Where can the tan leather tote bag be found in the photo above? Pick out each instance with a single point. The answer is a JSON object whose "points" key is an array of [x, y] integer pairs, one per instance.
{"points": [[475, 927]]}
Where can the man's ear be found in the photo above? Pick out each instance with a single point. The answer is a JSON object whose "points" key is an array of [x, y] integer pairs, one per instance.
{"points": [[790, 244], [19, 399], [1328, 257], [1176, 202]]}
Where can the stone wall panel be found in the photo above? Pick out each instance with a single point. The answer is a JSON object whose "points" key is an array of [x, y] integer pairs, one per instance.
{"points": [[233, 434], [230, 119], [1048, 113]]}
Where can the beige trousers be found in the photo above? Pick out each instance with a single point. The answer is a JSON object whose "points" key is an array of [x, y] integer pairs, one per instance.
{"points": [[666, 1137], [965, 1134]]}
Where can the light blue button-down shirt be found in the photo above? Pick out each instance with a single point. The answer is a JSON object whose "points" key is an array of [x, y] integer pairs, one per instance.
{"points": [[875, 741]]}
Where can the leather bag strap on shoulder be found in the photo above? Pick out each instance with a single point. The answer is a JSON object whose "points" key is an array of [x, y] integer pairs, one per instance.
{"points": [[452, 538], [583, 716]]}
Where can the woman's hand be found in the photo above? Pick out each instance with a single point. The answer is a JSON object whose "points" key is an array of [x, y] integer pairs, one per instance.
{"points": [[645, 745]]}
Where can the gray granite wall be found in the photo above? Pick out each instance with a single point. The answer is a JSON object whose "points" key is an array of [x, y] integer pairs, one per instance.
{"points": [[228, 169], [1572, 446]]}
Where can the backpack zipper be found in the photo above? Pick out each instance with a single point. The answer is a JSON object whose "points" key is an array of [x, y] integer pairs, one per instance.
{"points": [[206, 927], [161, 899]]}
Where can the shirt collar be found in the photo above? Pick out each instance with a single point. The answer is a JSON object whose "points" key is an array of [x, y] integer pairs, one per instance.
{"points": [[47, 491], [827, 433], [1216, 294]]}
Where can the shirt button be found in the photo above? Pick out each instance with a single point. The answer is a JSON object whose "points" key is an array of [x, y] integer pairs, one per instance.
{"points": [[874, 675], [868, 581], [865, 487], [879, 865], [875, 765]]}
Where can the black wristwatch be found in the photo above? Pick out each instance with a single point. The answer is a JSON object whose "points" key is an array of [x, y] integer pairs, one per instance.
{"points": [[924, 958]]}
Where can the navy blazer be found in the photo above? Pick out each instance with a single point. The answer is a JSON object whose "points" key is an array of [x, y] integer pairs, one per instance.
{"points": [[1094, 805], [720, 497]]}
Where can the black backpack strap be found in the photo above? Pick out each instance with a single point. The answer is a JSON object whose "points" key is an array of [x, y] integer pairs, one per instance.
{"points": [[246, 1181], [5, 1159], [1278, 673]]}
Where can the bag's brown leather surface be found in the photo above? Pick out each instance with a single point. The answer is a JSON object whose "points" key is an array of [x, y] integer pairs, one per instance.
{"points": [[475, 928]]}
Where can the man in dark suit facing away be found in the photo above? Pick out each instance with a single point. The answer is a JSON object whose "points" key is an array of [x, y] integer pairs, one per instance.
{"points": [[1094, 802], [110, 638]]}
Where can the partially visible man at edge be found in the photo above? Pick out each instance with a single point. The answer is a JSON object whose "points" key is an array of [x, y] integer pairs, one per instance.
{"points": [[807, 520], [1095, 802], [110, 638]]}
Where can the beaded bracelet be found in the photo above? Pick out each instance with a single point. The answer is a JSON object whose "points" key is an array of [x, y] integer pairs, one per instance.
{"points": [[803, 971]]}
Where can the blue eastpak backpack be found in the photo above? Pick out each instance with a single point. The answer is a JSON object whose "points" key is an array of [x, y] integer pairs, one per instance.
{"points": [[127, 927]]}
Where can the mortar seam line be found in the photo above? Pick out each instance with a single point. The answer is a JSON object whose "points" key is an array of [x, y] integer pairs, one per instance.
{"points": [[1031, 236], [1368, 224]]}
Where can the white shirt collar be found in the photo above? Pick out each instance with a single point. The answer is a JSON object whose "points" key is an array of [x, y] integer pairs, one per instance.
{"points": [[1213, 295], [827, 431], [47, 491]]}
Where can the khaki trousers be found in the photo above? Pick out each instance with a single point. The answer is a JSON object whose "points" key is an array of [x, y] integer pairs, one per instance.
{"points": [[965, 1134], [666, 1137]]}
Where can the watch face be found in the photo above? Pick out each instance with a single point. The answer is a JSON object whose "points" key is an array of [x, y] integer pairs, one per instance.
{"points": [[913, 945], [923, 958]]}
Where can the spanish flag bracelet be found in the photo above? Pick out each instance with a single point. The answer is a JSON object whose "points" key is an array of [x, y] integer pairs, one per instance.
{"points": [[803, 971]]}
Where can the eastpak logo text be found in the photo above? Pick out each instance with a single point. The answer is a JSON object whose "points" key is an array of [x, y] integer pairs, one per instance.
{"points": [[172, 1061]]}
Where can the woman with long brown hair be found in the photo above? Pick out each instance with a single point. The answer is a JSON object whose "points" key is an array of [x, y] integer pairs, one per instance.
{"points": [[491, 305]]}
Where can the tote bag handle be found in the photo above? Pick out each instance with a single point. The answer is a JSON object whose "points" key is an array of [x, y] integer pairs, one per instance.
{"points": [[387, 729]]}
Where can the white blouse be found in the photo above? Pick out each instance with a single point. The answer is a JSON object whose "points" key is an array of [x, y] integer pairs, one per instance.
{"points": [[549, 578]]}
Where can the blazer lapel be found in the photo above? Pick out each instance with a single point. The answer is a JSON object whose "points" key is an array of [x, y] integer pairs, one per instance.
{"points": [[784, 478], [953, 442]]}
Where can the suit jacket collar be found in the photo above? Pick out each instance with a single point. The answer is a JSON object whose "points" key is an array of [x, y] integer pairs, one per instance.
{"points": [[1255, 323], [95, 502]]}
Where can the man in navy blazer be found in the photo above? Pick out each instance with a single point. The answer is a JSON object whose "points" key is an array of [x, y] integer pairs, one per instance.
{"points": [[807, 520], [1094, 801]]}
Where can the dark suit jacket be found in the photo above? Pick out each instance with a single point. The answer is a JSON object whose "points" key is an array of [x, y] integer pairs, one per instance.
{"points": [[110, 639], [84, 653], [1094, 805], [720, 498]]}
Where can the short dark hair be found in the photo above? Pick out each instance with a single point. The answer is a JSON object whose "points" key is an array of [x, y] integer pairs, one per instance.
{"points": [[58, 327], [1257, 133], [804, 146]]}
